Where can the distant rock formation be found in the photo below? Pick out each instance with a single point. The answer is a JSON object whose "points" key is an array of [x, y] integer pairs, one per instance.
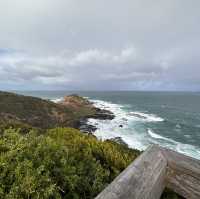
{"points": [[86, 110]]}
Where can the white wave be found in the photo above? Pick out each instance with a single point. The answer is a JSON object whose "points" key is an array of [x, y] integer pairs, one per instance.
{"points": [[111, 128], [198, 125], [133, 115], [186, 149], [156, 136], [187, 136], [135, 139], [57, 100], [147, 117], [178, 126]]}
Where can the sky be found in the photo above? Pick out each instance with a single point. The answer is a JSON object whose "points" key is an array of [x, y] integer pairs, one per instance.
{"points": [[100, 45]]}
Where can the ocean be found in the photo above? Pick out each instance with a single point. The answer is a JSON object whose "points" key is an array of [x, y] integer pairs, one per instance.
{"points": [[170, 119]]}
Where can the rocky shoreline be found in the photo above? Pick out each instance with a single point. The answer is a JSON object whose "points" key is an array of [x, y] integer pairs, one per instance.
{"points": [[91, 111], [103, 114], [100, 114]]}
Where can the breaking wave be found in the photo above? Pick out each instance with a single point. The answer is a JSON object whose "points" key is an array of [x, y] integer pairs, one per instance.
{"points": [[125, 125], [56, 100], [156, 136], [147, 117]]}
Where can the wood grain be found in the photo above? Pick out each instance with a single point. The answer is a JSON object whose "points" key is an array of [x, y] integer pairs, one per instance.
{"points": [[183, 174], [154, 170], [143, 179]]}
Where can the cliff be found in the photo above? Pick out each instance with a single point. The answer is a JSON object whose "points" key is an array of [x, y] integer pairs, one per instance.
{"points": [[36, 112]]}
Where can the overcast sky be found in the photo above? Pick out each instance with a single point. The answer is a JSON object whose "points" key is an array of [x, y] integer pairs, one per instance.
{"points": [[100, 44]]}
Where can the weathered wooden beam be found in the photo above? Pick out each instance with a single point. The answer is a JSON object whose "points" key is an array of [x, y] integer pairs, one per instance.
{"points": [[143, 179], [154, 170], [183, 174]]}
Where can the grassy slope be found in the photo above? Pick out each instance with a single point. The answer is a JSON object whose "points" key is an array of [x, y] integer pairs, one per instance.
{"points": [[37, 112]]}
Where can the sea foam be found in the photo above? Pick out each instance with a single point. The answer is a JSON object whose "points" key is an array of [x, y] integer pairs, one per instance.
{"points": [[154, 135], [107, 129], [147, 117], [128, 120], [57, 100]]}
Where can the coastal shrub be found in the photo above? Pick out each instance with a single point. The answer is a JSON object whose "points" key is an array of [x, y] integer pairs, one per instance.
{"points": [[63, 163], [23, 128]]}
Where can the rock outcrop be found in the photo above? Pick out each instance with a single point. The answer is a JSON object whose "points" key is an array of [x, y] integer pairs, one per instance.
{"points": [[85, 109]]}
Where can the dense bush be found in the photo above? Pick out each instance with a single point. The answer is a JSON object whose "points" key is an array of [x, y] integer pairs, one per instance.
{"points": [[23, 128], [63, 163]]}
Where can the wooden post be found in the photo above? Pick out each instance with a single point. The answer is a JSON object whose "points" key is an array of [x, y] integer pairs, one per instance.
{"points": [[143, 179], [183, 175], [154, 170]]}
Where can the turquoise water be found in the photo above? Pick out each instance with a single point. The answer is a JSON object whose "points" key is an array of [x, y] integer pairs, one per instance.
{"points": [[170, 119]]}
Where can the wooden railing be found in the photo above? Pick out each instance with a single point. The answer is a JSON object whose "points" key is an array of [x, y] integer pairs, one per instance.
{"points": [[154, 170]]}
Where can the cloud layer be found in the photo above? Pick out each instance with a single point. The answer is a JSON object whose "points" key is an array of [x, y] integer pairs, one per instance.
{"points": [[100, 45]]}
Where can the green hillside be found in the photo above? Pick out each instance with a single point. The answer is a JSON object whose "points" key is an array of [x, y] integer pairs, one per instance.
{"points": [[40, 113]]}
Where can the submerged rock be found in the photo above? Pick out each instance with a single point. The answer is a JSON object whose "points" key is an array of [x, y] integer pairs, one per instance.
{"points": [[102, 114], [83, 126], [87, 128]]}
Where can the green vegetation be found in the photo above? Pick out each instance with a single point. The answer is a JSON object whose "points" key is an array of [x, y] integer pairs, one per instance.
{"points": [[57, 163], [62, 163], [26, 110]]}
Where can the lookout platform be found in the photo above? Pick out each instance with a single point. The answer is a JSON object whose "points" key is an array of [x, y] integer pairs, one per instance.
{"points": [[151, 172]]}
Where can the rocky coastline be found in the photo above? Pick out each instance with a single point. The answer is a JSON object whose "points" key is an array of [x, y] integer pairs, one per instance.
{"points": [[97, 113], [26, 112], [93, 112], [100, 114]]}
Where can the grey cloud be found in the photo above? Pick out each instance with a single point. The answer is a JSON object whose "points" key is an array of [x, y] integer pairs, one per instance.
{"points": [[91, 44], [90, 65]]}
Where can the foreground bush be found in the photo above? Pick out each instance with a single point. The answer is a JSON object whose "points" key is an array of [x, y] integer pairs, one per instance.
{"points": [[63, 163]]}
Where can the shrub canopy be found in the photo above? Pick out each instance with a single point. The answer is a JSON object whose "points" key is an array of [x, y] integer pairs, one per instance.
{"points": [[62, 163]]}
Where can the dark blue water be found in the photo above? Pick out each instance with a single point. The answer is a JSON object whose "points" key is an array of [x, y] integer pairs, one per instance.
{"points": [[171, 119]]}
